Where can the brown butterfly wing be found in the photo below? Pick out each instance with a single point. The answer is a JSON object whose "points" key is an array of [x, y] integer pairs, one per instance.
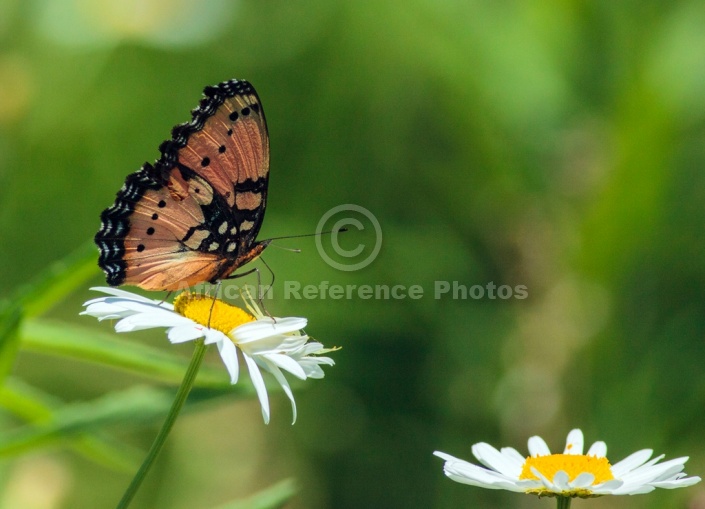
{"points": [[193, 216]]}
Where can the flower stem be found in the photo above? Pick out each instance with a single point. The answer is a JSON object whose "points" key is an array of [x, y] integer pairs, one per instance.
{"points": [[563, 502], [159, 441]]}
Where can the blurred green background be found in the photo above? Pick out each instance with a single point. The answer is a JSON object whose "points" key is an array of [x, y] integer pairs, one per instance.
{"points": [[556, 145]]}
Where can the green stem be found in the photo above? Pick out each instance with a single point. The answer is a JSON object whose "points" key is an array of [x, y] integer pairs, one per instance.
{"points": [[564, 502], [179, 401]]}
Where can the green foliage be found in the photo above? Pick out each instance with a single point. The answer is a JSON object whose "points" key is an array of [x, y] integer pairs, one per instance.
{"points": [[555, 145]]}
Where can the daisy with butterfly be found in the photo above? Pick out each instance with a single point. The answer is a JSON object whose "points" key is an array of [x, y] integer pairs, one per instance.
{"points": [[193, 217]]}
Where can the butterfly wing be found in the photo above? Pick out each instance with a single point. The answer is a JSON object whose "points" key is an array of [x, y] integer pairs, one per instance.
{"points": [[193, 216]]}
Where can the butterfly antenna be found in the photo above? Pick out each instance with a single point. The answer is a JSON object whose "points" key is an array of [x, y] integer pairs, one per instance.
{"points": [[329, 232], [215, 296], [290, 249], [260, 296]]}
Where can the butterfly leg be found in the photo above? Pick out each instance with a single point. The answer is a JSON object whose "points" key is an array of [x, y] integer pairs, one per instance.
{"points": [[168, 294], [271, 283], [215, 296], [260, 294]]}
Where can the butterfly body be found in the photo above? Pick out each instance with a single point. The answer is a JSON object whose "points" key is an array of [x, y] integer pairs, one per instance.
{"points": [[194, 215]]}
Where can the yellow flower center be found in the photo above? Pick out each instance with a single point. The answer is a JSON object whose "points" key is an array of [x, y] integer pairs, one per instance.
{"points": [[210, 312], [571, 464]]}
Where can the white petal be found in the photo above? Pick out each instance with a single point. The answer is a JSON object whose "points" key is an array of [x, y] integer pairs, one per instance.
{"points": [[123, 294], [483, 479], [675, 462], [510, 452], [315, 360], [313, 371], [445, 456], [290, 324], [649, 473], [677, 483], [607, 487], [258, 382], [312, 368], [638, 471], [652, 461], [215, 336], [631, 462], [285, 387], [287, 363], [152, 319], [136, 306], [494, 459], [103, 315], [99, 308], [297, 345], [530, 484], [574, 443], [560, 480], [257, 330], [548, 484], [537, 447], [598, 449], [274, 343], [183, 333], [228, 352], [464, 472], [253, 331], [92, 302], [628, 489], [311, 348], [671, 469], [583, 480]]}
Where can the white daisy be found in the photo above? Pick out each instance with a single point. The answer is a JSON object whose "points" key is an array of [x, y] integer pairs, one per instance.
{"points": [[271, 344], [571, 474]]}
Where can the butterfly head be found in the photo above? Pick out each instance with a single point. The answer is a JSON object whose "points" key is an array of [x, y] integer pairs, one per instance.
{"points": [[251, 254]]}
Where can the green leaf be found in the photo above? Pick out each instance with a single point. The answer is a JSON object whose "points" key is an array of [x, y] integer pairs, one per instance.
{"points": [[10, 318], [137, 405], [272, 497], [77, 342], [35, 406]]}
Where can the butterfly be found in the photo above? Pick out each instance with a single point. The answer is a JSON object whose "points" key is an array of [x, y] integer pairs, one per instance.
{"points": [[193, 216]]}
